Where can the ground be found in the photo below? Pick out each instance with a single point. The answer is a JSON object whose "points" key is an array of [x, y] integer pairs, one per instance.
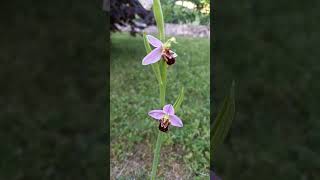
{"points": [[185, 153]]}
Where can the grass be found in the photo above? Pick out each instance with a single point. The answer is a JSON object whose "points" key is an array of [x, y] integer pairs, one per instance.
{"points": [[134, 92], [271, 50]]}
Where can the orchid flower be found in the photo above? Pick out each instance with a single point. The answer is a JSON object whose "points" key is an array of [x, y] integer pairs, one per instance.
{"points": [[166, 117], [161, 50]]}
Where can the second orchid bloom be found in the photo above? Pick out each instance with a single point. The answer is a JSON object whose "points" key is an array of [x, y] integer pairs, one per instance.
{"points": [[166, 117], [162, 50]]}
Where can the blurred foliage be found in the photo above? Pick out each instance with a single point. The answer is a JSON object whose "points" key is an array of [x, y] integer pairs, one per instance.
{"points": [[129, 13], [222, 122], [271, 48], [134, 92], [200, 4], [181, 15], [53, 99]]}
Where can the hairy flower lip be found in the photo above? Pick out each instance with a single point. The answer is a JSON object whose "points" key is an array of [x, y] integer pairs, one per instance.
{"points": [[164, 124], [161, 50], [166, 116], [169, 56]]}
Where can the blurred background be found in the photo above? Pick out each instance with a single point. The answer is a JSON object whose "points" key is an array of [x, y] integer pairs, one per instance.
{"points": [[134, 92], [53, 90], [188, 18], [271, 49]]}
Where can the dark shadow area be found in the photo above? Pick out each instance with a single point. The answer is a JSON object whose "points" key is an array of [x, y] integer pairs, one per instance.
{"points": [[53, 95], [271, 49]]}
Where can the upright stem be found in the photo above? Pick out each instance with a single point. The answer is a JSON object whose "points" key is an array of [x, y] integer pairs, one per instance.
{"points": [[157, 11], [156, 156], [162, 88], [163, 82], [162, 94]]}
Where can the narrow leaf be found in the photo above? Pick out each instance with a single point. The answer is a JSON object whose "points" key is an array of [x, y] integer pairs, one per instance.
{"points": [[179, 100], [223, 122], [158, 16]]}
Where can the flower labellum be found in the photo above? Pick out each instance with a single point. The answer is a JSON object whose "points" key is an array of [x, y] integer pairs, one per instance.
{"points": [[169, 56], [166, 117], [162, 50], [164, 125]]}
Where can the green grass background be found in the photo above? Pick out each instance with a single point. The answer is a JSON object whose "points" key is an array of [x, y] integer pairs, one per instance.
{"points": [[134, 92], [271, 49]]}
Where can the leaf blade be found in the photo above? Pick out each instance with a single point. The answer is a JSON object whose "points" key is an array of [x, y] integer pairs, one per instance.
{"points": [[158, 16], [179, 100], [224, 119]]}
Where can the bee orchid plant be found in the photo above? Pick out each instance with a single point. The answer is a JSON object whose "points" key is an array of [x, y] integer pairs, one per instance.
{"points": [[160, 57]]}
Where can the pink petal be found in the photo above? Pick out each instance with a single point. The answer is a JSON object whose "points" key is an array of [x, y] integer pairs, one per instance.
{"points": [[153, 56], [156, 114], [154, 41], [175, 121], [168, 109]]}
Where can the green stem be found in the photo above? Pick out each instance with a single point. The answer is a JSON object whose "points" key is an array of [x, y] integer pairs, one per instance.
{"points": [[163, 82], [162, 94], [156, 156], [162, 88], [157, 11]]}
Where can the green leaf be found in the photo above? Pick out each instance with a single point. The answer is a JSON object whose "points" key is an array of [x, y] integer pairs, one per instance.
{"points": [[223, 122], [179, 100], [155, 66], [158, 16]]}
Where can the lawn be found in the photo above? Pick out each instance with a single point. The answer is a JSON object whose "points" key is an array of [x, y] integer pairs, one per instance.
{"points": [[134, 91], [271, 49]]}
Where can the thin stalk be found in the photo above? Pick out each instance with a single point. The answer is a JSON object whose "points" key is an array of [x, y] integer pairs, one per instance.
{"points": [[156, 156], [162, 90], [163, 82], [157, 11]]}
